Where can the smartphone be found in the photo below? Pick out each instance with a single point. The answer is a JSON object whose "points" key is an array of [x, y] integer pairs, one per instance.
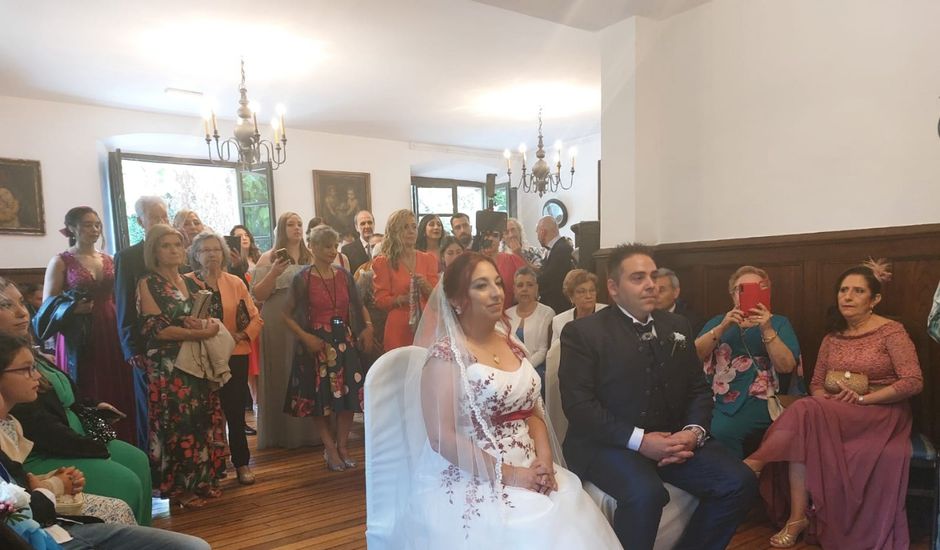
{"points": [[281, 254], [752, 294], [234, 243]]}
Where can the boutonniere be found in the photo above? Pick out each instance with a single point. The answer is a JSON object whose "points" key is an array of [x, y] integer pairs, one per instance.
{"points": [[678, 341]]}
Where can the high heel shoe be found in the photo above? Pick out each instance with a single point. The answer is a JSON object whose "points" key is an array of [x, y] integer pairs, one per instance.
{"points": [[332, 467], [785, 538], [344, 456], [187, 501]]}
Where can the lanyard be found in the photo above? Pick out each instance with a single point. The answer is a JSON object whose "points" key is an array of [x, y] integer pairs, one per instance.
{"points": [[331, 295]]}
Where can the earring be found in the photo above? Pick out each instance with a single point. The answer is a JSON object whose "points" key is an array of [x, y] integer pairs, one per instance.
{"points": [[457, 310]]}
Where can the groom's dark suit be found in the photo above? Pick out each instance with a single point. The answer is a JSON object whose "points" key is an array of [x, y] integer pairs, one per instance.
{"points": [[612, 382]]}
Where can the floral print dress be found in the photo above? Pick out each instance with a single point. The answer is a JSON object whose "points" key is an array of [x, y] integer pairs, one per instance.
{"points": [[740, 371], [187, 437]]}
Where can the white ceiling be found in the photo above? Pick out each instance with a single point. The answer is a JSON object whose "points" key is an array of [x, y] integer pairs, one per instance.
{"points": [[436, 71], [594, 15]]}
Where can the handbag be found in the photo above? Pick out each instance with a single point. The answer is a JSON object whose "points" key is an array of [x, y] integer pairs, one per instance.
{"points": [[854, 381], [94, 425], [775, 405], [242, 318]]}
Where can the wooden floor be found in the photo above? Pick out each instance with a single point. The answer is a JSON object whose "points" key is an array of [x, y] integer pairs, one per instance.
{"points": [[293, 506]]}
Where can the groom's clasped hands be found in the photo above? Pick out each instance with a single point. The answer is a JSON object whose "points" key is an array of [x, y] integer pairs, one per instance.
{"points": [[666, 448]]}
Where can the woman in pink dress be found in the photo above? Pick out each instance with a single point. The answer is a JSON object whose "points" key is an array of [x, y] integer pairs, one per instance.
{"points": [[101, 371], [847, 453]]}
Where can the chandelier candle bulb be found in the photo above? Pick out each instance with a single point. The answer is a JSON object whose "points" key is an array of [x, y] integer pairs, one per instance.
{"points": [[215, 128]]}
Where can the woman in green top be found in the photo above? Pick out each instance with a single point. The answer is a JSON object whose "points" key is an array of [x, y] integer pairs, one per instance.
{"points": [[117, 469], [742, 353]]}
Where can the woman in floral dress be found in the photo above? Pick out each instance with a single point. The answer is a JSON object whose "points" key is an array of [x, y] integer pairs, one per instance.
{"points": [[742, 354], [326, 315], [187, 438]]}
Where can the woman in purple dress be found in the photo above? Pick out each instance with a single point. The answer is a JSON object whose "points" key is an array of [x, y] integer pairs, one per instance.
{"points": [[846, 449], [100, 370]]}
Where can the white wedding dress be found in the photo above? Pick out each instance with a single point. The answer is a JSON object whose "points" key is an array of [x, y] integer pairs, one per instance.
{"points": [[451, 509]]}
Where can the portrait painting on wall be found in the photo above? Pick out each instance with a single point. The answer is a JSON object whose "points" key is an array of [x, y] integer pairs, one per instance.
{"points": [[338, 196], [21, 209]]}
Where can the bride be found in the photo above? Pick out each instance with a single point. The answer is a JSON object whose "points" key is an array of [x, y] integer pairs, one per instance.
{"points": [[485, 466]]}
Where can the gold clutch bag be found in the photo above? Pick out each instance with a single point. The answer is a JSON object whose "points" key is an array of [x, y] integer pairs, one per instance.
{"points": [[854, 381]]}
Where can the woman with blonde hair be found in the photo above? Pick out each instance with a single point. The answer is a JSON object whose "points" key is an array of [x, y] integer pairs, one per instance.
{"points": [[270, 283], [404, 278], [188, 224]]}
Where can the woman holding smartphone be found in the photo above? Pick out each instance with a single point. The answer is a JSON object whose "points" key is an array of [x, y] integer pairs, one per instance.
{"points": [[743, 351], [270, 284]]}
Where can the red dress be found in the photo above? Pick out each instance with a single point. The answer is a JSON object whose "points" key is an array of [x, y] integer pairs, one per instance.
{"points": [[389, 284], [507, 264], [103, 375], [856, 456]]}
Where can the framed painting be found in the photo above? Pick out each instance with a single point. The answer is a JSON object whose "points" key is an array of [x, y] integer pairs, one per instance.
{"points": [[21, 208], [338, 196]]}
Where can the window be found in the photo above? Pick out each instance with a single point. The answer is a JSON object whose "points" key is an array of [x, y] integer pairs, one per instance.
{"points": [[221, 193], [446, 197]]}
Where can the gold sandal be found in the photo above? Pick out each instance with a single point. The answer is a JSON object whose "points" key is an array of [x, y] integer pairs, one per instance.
{"points": [[786, 539]]}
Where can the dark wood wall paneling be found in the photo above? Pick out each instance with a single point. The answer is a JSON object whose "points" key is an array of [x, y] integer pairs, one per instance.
{"points": [[24, 275], [803, 270]]}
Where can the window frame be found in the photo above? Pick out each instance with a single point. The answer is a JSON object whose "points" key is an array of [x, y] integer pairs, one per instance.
{"points": [[418, 182], [118, 205]]}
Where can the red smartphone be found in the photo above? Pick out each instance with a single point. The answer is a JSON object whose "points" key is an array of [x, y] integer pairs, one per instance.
{"points": [[752, 294]]}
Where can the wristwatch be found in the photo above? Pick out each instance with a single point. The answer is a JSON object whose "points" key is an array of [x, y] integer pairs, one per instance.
{"points": [[860, 400]]}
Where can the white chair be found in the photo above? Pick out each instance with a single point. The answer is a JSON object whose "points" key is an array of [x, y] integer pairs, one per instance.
{"points": [[676, 513], [386, 444]]}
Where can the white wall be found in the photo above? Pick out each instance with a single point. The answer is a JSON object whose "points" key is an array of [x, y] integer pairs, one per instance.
{"points": [[71, 141], [765, 118]]}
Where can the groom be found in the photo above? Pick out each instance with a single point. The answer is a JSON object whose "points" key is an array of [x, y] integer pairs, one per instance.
{"points": [[639, 410]]}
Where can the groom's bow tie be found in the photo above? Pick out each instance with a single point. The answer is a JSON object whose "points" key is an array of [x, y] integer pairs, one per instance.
{"points": [[645, 332]]}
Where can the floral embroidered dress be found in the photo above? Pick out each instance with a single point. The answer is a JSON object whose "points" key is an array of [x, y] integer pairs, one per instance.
{"points": [[330, 380], [446, 499], [187, 429], [739, 371], [101, 373]]}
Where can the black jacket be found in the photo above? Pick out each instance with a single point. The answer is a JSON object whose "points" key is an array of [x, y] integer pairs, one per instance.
{"points": [[128, 267], [356, 253], [695, 320], [552, 276], [605, 383]]}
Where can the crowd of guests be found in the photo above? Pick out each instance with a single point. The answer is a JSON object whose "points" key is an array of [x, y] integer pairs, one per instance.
{"points": [[174, 336]]}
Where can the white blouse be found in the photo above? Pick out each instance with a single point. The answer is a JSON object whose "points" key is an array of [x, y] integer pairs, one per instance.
{"points": [[535, 331]]}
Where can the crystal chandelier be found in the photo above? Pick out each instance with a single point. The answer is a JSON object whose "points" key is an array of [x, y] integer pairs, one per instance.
{"points": [[541, 180], [247, 142]]}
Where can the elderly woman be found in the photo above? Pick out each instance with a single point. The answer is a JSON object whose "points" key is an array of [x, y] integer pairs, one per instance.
{"points": [[430, 233], [115, 469], [529, 320], [188, 224], [580, 287], [404, 278], [187, 437], [270, 284], [328, 319], [742, 353], [848, 446], [232, 304], [514, 242]]}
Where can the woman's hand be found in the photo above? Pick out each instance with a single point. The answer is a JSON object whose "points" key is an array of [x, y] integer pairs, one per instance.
{"points": [[514, 244], [846, 395], [240, 336], [314, 344], [366, 339], [735, 316], [210, 329], [234, 257], [109, 407], [279, 266], [423, 285], [193, 323], [760, 316], [547, 481], [532, 478], [84, 307]]}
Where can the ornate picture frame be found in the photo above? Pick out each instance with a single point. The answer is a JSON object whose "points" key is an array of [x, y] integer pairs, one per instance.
{"points": [[21, 204], [338, 196]]}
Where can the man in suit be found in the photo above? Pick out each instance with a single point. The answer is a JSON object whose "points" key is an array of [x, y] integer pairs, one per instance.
{"points": [[667, 298], [360, 250], [639, 410], [558, 263], [128, 267]]}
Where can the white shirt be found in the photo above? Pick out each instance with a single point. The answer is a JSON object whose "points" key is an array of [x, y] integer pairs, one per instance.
{"points": [[535, 331]]}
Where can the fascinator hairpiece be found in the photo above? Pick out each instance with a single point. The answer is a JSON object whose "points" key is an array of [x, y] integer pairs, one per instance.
{"points": [[66, 232], [880, 268]]}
